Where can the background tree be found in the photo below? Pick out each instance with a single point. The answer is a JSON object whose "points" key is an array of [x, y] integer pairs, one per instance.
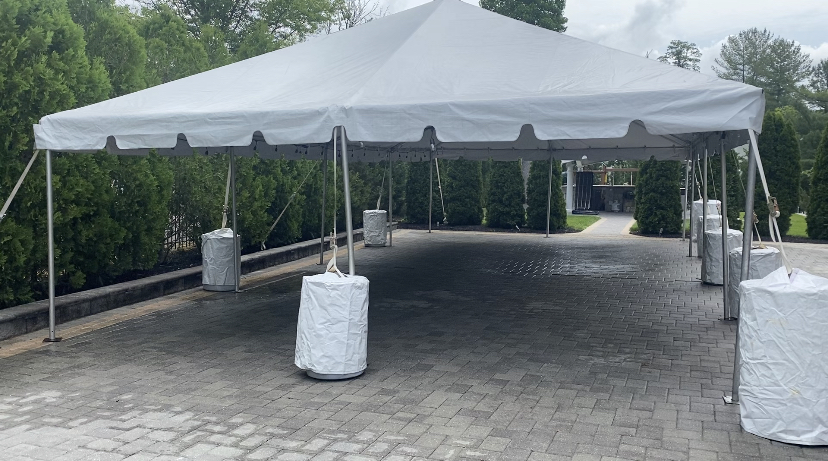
{"points": [[542, 13], [817, 91], [463, 186], [742, 57], [416, 194], [817, 218], [44, 69], [172, 52], [658, 198], [505, 200], [779, 149], [682, 54], [536, 196], [786, 67]]}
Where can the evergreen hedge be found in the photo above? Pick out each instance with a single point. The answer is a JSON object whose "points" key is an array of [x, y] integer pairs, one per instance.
{"points": [[817, 218], [537, 196], [463, 192], [658, 197], [779, 149], [505, 199], [416, 194]]}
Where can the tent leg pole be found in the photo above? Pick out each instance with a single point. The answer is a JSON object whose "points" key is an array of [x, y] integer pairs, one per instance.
{"points": [[349, 225], [430, 189], [236, 248], [51, 235], [324, 197], [570, 183], [549, 197], [390, 202], [747, 241], [725, 227], [692, 186], [704, 212], [686, 201]]}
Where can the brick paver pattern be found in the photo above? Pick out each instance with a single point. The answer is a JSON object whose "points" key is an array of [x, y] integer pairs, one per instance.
{"points": [[481, 346]]}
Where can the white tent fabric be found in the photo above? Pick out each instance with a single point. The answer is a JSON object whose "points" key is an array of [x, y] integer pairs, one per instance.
{"points": [[468, 81]]}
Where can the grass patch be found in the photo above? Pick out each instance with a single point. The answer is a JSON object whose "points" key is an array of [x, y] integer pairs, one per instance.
{"points": [[634, 227], [577, 223], [799, 228]]}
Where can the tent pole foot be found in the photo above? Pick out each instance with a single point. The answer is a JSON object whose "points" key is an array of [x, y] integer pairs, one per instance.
{"points": [[52, 340], [728, 400]]}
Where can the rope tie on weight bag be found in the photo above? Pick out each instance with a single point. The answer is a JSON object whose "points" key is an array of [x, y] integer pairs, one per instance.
{"points": [[773, 213], [290, 200]]}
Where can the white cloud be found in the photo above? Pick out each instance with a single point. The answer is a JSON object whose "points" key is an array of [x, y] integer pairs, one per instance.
{"points": [[817, 53]]}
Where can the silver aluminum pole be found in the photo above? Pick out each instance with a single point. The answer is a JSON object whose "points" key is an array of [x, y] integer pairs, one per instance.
{"points": [[430, 189], [725, 226], [747, 241], [349, 225], [704, 211], [549, 197], [693, 155], [51, 232], [390, 201], [686, 201], [236, 249], [324, 197]]}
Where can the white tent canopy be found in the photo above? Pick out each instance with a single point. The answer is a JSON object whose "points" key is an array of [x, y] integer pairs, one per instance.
{"points": [[473, 83]]}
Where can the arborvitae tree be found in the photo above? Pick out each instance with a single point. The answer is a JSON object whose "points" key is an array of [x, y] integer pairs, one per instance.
{"points": [[542, 13], [817, 218], [735, 188], [537, 195], [505, 200], [463, 192], [44, 69], [658, 197], [779, 150], [416, 194]]}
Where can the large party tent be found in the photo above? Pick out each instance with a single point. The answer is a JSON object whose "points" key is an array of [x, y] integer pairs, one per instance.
{"points": [[446, 79]]}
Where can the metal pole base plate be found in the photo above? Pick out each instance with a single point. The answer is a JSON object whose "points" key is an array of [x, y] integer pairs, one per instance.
{"points": [[728, 400], [50, 340], [333, 377]]}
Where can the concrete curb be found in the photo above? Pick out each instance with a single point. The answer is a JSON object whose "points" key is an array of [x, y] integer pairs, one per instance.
{"points": [[26, 318]]}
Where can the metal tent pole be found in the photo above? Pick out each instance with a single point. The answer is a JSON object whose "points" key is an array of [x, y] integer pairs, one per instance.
{"points": [[51, 232], [236, 248], [725, 227], [549, 197], [570, 183], [349, 225], [430, 189], [747, 241], [692, 186], [686, 201], [324, 198], [704, 211], [390, 201]]}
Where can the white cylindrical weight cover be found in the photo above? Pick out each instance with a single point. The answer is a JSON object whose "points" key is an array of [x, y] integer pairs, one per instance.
{"points": [[375, 227], [332, 332], [783, 393], [714, 221], [713, 207], [763, 261], [713, 262], [218, 268]]}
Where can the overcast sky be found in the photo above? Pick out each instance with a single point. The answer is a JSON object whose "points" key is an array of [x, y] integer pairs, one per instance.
{"points": [[638, 26]]}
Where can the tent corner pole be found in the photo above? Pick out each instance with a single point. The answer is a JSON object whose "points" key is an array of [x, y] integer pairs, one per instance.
{"points": [[570, 184], [686, 201], [390, 201], [430, 189], [236, 240], [725, 228], [549, 196], [747, 241], [346, 182], [324, 197], [704, 214], [692, 187], [51, 241]]}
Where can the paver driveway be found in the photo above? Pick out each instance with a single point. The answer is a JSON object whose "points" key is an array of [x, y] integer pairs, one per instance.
{"points": [[481, 346]]}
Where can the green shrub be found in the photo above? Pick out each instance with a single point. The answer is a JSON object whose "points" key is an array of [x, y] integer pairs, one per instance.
{"points": [[779, 150], [505, 200], [537, 197], [463, 192], [817, 218], [658, 197], [416, 194]]}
